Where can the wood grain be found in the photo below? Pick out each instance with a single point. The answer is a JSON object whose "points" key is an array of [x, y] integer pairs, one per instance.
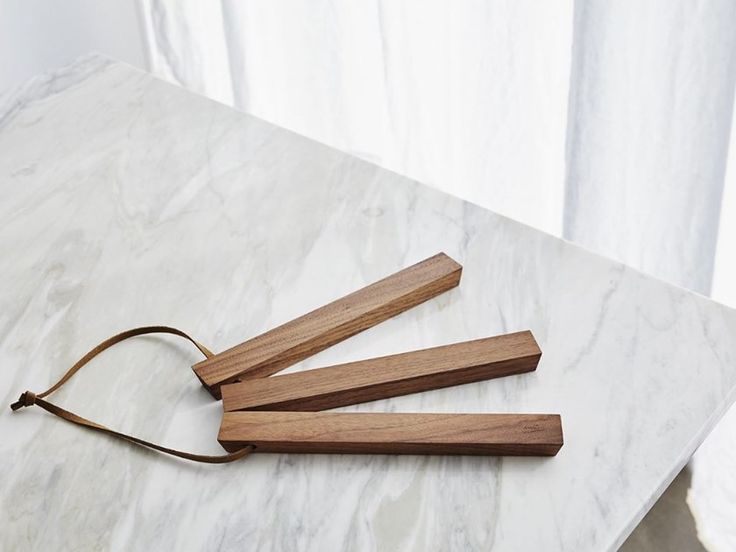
{"points": [[389, 433], [304, 336], [389, 376]]}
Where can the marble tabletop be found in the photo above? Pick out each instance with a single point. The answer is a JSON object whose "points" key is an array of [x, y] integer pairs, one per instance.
{"points": [[127, 201]]}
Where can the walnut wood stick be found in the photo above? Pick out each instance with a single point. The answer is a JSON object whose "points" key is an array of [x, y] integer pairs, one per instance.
{"points": [[389, 376], [304, 336], [389, 433]]}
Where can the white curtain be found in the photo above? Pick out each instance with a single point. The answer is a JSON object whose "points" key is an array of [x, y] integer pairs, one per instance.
{"points": [[469, 97], [652, 88], [605, 122]]}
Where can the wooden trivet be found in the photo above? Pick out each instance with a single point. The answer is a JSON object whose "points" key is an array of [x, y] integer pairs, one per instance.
{"points": [[243, 432]]}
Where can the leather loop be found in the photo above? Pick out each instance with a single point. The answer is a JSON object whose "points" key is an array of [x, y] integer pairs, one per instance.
{"points": [[29, 398]]}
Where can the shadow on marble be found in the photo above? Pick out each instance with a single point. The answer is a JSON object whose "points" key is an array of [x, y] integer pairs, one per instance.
{"points": [[669, 524]]}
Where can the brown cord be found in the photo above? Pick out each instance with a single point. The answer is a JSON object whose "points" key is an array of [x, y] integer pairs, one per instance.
{"points": [[28, 398]]}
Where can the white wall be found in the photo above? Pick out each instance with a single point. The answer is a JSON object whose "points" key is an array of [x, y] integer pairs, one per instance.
{"points": [[39, 35]]}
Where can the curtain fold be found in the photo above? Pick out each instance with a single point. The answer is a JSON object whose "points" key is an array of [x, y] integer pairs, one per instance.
{"points": [[605, 122], [651, 96], [187, 44], [469, 97]]}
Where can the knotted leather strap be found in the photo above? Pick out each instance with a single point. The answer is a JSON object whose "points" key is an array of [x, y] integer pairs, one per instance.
{"points": [[29, 398]]}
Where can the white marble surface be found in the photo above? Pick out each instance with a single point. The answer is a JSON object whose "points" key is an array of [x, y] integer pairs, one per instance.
{"points": [[127, 201]]}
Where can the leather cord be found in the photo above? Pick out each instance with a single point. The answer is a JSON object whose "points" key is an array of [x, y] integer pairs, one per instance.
{"points": [[28, 398]]}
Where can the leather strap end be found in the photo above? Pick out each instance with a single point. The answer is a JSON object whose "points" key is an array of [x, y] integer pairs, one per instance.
{"points": [[27, 398]]}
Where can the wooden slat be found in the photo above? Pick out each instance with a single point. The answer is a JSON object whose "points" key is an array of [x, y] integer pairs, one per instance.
{"points": [[389, 433], [389, 376], [304, 336]]}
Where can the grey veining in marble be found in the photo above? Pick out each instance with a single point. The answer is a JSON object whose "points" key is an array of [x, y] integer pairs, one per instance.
{"points": [[127, 201]]}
